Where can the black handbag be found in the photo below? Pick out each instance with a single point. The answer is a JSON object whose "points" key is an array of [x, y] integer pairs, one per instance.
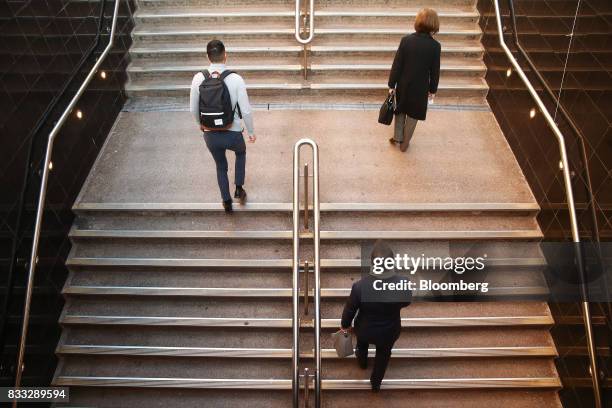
{"points": [[385, 116]]}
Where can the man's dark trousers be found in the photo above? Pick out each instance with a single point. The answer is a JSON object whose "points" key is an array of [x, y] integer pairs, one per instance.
{"points": [[220, 141], [381, 360]]}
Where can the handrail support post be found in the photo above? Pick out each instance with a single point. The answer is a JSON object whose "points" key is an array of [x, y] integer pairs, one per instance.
{"points": [[306, 288], [306, 196]]}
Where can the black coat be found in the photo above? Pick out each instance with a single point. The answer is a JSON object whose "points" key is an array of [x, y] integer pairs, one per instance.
{"points": [[416, 72], [376, 322]]}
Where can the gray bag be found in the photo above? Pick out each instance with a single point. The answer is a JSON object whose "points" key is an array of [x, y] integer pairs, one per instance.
{"points": [[343, 343]]}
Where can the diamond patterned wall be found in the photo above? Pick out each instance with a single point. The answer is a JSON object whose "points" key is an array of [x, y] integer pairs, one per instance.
{"points": [[41, 44]]}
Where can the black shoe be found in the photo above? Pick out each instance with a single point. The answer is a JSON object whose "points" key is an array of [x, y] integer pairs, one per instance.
{"points": [[227, 205], [362, 359], [241, 195], [376, 388]]}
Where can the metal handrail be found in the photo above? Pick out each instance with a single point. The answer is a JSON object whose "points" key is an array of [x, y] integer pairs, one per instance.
{"points": [[43, 193], [566, 116], [26, 176], [295, 382], [592, 203], [569, 196], [298, 13]]}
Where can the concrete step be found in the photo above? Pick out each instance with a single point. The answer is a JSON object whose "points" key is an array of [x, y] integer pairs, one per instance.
{"points": [[335, 285], [232, 34], [97, 320], [186, 69], [448, 337], [444, 398], [192, 398], [177, 311], [255, 248], [253, 264], [330, 72], [147, 396], [275, 72], [248, 51], [286, 353], [400, 371], [465, 92], [455, 91], [345, 219], [283, 384], [484, 367], [270, 278]]}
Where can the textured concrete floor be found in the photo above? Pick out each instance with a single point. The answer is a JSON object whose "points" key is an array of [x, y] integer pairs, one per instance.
{"points": [[455, 156]]}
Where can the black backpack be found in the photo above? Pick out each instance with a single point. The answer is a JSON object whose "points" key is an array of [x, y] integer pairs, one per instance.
{"points": [[216, 110]]}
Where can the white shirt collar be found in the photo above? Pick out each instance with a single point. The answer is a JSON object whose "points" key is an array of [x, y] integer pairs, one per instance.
{"points": [[216, 67]]}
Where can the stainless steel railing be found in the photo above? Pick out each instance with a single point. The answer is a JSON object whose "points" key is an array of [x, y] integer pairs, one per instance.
{"points": [[298, 14], [296, 272], [43, 193], [298, 35], [569, 196]]}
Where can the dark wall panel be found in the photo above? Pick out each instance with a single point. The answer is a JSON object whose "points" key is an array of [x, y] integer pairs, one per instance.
{"points": [[42, 46], [577, 68]]}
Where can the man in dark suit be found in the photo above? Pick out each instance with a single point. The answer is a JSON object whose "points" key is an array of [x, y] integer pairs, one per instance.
{"points": [[378, 319]]}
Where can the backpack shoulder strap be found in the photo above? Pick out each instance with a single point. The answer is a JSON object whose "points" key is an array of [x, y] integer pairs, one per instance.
{"points": [[206, 74], [224, 75]]}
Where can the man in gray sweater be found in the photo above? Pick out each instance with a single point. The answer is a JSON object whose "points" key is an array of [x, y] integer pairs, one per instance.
{"points": [[218, 141]]}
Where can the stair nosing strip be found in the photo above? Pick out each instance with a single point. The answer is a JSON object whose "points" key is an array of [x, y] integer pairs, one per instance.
{"points": [[234, 31], [272, 263], [258, 292], [415, 207], [291, 13], [286, 235], [481, 86], [477, 321], [417, 352], [420, 383], [152, 382], [289, 48], [239, 263], [449, 383], [142, 69], [202, 50], [222, 14], [289, 31]]}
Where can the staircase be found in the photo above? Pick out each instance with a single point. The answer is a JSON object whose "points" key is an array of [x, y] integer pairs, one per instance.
{"points": [[172, 303], [176, 304], [349, 58]]}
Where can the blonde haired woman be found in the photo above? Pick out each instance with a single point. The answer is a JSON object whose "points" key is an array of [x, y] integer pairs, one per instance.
{"points": [[414, 75]]}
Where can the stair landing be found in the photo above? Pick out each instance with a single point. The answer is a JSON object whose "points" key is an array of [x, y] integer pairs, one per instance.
{"points": [[455, 157]]}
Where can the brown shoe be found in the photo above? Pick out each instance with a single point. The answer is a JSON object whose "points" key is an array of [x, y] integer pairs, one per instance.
{"points": [[241, 195], [393, 141]]}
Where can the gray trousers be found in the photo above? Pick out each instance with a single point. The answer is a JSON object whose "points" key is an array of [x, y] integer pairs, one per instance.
{"points": [[404, 129]]}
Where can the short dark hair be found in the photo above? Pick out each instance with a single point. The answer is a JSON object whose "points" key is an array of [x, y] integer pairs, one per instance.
{"points": [[215, 51], [381, 250], [427, 21]]}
